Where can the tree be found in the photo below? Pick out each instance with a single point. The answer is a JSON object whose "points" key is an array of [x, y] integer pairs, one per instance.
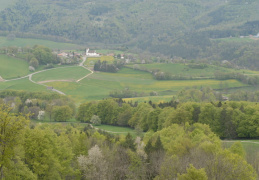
{"points": [[193, 174], [95, 120], [129, 142], [11, 128], [94, 166], [62, 113], [34, 62]]}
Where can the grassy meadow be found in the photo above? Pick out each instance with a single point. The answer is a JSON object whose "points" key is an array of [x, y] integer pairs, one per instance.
{"points": [[185, 70], [11, 67], [91, 60], [22, 84], [65, 73], [98, 85], [116, 129]]}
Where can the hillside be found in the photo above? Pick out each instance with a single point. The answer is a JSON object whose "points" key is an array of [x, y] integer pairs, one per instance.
{"points": [[164, 26]]}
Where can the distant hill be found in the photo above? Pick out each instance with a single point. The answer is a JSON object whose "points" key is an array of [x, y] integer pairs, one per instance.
{"points": [[164, 26]]}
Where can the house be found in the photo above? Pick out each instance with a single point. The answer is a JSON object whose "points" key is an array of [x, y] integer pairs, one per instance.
{"points": [[63, 54], [91, 53]]}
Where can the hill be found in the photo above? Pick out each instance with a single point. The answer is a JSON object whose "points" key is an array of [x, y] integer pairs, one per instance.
{"points": [[173, 27]]}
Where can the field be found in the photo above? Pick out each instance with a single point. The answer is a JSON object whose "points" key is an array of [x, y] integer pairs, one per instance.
{"points": [[22, 84], [98, 85], [65, 73], [23, 42], [185, 70], [11, 67], [91, 60], [116, 129], [235, 39]]}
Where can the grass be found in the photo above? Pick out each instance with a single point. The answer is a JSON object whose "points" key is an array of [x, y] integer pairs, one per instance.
{"points": [[23, 42], [64, 73], [92, 60], [22, 84], [98, 85], [12, 67], [116, 129], [109, 51], [185, 70]]}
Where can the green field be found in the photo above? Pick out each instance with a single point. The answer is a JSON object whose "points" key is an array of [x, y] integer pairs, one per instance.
{"points": [[91, 60], [11, 67], [185, 70], [65, 73], [23, 42], [116, 129], [98, 85], [22, 84]]}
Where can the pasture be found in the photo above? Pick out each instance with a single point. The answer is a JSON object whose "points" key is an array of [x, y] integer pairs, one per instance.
{"points": [[185, 70], [23, 42], [11, 67], [116, 129], [98, 85], [22, 84], [91, 60], [72, 73]]}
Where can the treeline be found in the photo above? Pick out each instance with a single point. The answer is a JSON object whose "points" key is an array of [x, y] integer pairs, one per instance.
{"points": [[35, 56], [105, 67], [39, 105], [226, 119], [58, 151], [251, 80]]}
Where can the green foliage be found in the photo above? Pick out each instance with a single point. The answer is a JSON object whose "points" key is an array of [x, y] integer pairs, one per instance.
{"points": [[62, 113], [193, 174], [95, 120]]}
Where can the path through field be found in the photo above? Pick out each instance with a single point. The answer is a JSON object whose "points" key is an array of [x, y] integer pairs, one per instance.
{"points": [[41, 83]]}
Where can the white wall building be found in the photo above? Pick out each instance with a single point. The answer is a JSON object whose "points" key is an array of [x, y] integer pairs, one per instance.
{"points": [[91, 53]]}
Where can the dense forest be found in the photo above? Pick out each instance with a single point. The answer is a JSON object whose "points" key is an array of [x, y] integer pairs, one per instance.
{"points": [[59, 151], [143, 25]]}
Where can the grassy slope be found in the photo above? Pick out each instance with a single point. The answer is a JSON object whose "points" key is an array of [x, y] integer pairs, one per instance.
{"points": [[66, 73], [98, 85], [23, 42], [11, 67], [184, 70], [116, 129], [22, 84]]}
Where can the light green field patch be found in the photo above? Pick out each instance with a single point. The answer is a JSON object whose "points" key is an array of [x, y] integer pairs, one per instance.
{"points": [[22, 84], [11, 67], [23, 42], [235, 39], [116, 129], [92, 60], [64, 73], [109, 51], [186, 71], [156, 99]]}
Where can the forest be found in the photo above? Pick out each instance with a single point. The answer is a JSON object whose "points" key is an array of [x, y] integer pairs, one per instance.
{"points": [[70, 151]]}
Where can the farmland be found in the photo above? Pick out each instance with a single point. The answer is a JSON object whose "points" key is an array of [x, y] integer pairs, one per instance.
{"points": [[12, 67], [66, 73], [186, 70]]}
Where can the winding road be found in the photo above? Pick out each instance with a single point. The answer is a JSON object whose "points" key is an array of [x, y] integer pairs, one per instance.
{"points": [[58, 91]]}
